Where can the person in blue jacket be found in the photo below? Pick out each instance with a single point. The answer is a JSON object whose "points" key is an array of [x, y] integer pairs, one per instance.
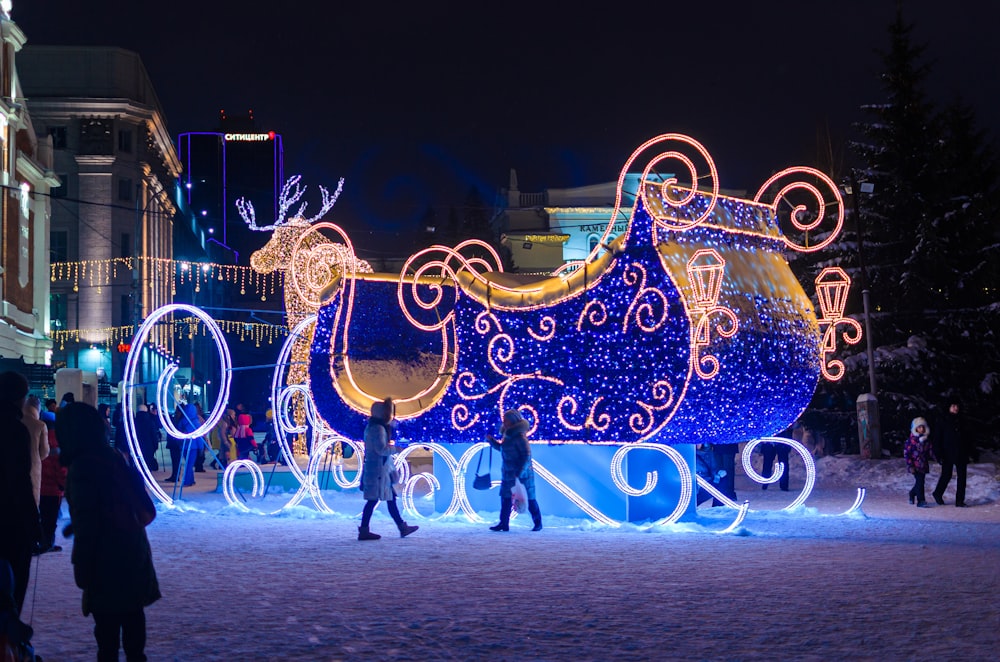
{"points": [[188, 421]]}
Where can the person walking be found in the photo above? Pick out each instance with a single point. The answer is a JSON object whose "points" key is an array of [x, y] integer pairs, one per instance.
{"points": [[378, 473], [53, 488], [112, 559], [20, 530], [515, 452], [952, 452], [918, 454], [39, 441]]}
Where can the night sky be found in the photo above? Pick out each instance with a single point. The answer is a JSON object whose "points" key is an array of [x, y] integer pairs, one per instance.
{"points": [[413, 103]]}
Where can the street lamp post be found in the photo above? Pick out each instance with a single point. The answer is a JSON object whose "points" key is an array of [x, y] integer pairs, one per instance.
{"points": [[869, 427]]}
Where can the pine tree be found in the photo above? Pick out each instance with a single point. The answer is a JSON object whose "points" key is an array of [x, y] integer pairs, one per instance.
{"points": [[929, 232]]}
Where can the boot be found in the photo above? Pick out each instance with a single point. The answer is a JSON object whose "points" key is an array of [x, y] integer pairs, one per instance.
{"points": [[405, 529], [365, 534], [536, 514], [504, 524]]}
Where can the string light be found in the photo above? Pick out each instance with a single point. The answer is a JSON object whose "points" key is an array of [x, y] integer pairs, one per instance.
{"points": [[98, 273]]}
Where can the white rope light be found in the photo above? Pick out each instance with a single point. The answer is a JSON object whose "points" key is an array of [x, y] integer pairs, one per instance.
{"points": [[128, 397], [807, 460]]}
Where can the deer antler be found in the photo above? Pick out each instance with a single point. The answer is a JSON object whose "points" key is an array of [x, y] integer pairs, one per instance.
{"points": [[328, 201], [247, 212], [291, 192]]}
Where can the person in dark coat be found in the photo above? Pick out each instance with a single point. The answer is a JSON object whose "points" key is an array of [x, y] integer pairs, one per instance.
{"points": [[20, 529], [918, 455], [147, 431], [174, 446], [952, 452], [515, 451], [112, 560], [378, 473]]}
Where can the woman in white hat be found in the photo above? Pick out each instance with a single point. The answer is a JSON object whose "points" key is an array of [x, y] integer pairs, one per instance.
{"points": [[918, 455]]}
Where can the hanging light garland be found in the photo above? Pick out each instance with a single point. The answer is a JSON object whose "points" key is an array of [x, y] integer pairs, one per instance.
{"points": [[113, 336], [101, 273]]}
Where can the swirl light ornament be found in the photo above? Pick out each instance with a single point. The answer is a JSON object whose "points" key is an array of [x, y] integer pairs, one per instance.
{"points": [[128, 396], [820, 195], [807, 462]]}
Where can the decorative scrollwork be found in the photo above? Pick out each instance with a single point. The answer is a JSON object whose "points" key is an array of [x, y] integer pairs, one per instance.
{"points": [[432, 266], [807, 461], [595, 313], [798, 195], [547, 329], [636, 274], [832, 286], [666, 188], [685, 477]]}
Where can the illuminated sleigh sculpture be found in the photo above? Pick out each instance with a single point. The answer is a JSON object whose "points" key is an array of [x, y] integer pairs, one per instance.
{"points": [[688, 328]]}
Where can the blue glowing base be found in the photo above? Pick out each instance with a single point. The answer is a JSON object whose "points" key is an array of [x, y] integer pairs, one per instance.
{"points": [[585, 474]]}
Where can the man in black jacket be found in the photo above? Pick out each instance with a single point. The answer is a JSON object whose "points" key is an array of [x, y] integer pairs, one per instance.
{"points": [[951, 451]]}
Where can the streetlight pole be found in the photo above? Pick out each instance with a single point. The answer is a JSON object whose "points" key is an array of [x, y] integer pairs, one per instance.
{"points": [[869, 427]]}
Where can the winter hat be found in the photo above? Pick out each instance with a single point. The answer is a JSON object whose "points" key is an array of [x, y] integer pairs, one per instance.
{"points": [[512, 417], [917, 422]]}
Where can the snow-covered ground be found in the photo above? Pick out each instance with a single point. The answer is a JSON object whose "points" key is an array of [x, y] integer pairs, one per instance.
{"points": [[896, 582]]}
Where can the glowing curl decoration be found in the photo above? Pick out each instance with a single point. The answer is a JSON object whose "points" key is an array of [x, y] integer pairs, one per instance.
{"points": [[651, 477], [813, 194], [128, 397], [807, 461]]}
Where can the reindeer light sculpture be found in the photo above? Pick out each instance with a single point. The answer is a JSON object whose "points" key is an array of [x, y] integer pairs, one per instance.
{"points": [[319, 259]]}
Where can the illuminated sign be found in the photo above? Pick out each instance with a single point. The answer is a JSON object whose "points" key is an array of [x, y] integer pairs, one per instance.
{"points": [[249, 137]]}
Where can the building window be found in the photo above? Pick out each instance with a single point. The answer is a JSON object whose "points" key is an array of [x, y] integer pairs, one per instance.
{"points": [[592, 242], [124, 189], [96, 137], [125, 140], [126, 247], [57, 311], [58, 134], [59, 246]]}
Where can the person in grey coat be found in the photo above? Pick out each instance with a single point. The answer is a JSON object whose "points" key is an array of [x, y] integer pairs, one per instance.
{"points": [[516, 454], [378, 473]]}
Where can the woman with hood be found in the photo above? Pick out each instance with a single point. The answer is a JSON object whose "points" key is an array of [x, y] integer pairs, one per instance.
{"points": [[112, 560], [918, 455], [516, 454], [378, 474]]}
